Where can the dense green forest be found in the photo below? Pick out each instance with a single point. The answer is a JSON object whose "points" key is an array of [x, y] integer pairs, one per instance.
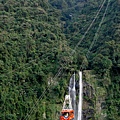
{"points": [[40, 50]]}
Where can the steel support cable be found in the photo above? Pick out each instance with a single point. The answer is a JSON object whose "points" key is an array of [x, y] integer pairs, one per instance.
{"points": [[59, 71], [61, 68], [88, 28], [42, 95], [97, 33]]}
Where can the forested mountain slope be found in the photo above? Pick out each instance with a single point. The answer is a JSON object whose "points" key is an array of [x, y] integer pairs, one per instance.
{"points": [[102, 41], [32, 48], [37, 38]]}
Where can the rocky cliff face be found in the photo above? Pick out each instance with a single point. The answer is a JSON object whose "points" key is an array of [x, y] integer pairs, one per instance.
{"points": [[93, 97]]}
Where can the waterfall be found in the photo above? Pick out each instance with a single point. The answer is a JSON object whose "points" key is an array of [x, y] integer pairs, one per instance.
{"points": [[74, 96], [80, 97], [70, 85], [72, 92]]}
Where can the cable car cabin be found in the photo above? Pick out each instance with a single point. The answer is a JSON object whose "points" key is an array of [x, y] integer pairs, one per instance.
{"points": [[67, 114]]}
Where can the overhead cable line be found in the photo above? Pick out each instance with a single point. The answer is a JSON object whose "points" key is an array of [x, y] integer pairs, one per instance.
{"points": [[88, 28], [98, 30], [61, 68]]}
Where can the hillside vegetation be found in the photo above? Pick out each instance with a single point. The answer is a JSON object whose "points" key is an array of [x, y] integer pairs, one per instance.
{"points": [[37, 57]]}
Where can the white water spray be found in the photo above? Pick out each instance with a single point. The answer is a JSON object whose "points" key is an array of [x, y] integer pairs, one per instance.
{"points": [[74, 97], [70, 84], [72, 93], [80, 97]]}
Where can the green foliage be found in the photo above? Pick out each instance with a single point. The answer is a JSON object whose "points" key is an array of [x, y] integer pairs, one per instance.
{"points": [[101, 64], [112, 100], [37, 37], [31, 43]]}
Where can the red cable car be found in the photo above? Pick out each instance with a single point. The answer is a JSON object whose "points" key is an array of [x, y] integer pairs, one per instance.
{"points": [[67, 112]]}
